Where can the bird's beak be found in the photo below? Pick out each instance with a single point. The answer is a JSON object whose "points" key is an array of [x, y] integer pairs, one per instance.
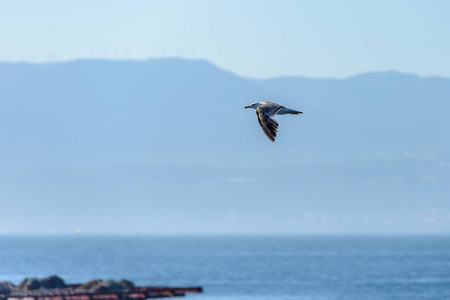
{"points": [[248, 106]]}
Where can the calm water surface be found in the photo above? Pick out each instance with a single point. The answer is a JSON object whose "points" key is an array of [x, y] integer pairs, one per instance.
{"points": [[244, 268]]}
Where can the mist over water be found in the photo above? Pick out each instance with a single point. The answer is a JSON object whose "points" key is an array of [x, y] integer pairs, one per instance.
{"points": [[165, 146]]}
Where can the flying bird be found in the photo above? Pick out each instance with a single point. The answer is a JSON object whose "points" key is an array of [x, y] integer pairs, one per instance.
{"points": [[266, 112]]}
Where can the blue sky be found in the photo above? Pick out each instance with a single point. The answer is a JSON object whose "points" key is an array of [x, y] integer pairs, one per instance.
{"points": [[252, 38]]}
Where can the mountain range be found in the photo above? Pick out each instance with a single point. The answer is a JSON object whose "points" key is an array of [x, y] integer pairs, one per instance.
{"points": [[166, 146]]}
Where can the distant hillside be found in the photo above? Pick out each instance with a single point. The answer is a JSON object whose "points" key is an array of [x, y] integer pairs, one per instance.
{"points": [[165, 145]]}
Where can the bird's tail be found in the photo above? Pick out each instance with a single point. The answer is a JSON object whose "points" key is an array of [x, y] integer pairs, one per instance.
{"points": [[293, 112]]}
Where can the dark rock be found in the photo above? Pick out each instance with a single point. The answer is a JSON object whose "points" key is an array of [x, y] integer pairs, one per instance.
{"points": [[51, 282], [29, 284], [126, 284], [89, 285], [113, 286], [105, 286], [6, 287]]}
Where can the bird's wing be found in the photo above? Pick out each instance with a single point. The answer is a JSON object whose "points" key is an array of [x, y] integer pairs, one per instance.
{"points": [[267, 121]]}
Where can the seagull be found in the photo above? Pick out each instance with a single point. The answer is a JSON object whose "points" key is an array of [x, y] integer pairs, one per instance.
{"points": [[266, 112]]}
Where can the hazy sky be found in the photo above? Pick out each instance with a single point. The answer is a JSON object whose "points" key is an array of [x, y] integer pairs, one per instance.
{"points": [[252, 38], [105, 147]]}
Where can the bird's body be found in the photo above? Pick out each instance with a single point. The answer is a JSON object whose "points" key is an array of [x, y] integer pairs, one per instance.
{"points": [[266, 112]]}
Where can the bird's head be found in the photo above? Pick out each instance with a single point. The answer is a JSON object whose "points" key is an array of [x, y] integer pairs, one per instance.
{"points": [[254, 105]]}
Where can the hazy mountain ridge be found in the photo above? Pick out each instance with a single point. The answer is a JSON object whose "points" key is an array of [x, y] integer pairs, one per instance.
{"points": [[126, 137]]}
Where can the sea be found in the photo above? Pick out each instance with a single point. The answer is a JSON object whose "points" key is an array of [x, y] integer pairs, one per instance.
{"points": [[244, 267]]}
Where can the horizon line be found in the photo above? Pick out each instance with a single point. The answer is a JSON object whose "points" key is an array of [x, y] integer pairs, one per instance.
{"points": [[329, 234], [287, 76]]}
